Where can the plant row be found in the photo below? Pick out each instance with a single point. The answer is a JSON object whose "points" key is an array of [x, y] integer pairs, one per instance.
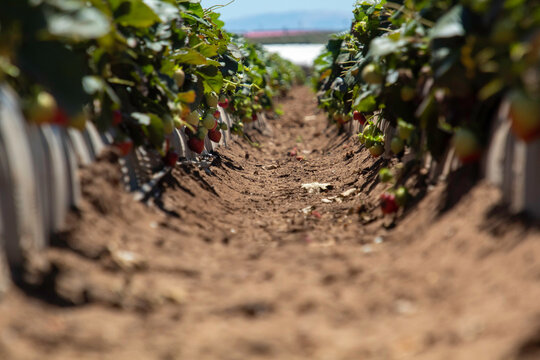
{"points": [[437, 71], [137, 68]]}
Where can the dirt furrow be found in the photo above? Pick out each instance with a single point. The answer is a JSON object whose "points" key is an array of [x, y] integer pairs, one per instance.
{"points": [[241, 262]]}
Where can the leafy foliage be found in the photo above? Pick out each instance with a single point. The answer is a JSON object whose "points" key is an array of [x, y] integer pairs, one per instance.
{"points": [[432, 66], [150, 60]]}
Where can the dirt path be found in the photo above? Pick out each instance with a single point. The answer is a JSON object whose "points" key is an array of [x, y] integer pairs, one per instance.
{"points": [[240, 262]]}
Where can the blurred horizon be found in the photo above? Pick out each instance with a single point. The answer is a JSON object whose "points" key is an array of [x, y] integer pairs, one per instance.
{"points": [[308, 15]]}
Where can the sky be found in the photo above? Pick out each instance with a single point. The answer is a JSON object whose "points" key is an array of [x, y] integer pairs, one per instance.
{"points": [[241, 8]]}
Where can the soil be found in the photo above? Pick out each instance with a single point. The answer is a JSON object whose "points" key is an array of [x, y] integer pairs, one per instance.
{"points": [[237, 261]]}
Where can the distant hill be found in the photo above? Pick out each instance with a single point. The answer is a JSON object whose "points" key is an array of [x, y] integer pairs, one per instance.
{"points": [[299, 20]]}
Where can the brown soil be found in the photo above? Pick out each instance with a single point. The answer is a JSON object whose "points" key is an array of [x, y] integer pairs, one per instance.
{"points": [[224, 264]]}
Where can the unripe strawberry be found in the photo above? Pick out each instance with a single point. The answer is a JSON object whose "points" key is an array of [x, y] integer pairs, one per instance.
{"points": [[193, 118], [407, 93], [376, 150], [179, 77], [372, 74], [404, 130], [212, 99], [466, 145], [42, 109], [209, 121], [202, 132], [397, 145], [402, 195], [524, 115]]}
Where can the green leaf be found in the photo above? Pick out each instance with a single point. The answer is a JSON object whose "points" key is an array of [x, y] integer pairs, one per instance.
{"points": [[134, 13], [155, 130], [208, 50], [365, 104], [209, 71], [213, 83], [191, 57]]}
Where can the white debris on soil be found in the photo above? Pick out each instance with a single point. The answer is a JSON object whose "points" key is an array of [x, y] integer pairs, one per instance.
{"points": [[316, 187], [348, 192]]}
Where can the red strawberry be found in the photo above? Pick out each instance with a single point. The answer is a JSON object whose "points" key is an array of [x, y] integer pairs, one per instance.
{"points": [[125, 147], [117, 117], [217, 114], [224, 103], [214, 135], [60, 118], [293, 152], [196, 145], [170, 158], [254, 117], [358, 116], [389, 204], [167, 145]]}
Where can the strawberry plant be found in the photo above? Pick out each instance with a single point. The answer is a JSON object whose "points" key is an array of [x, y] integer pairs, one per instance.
{"points": [[136, 68], [434, 68]]}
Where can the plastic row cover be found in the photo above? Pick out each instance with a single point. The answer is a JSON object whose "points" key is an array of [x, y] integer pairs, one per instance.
{"points": [[38, 182]]}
